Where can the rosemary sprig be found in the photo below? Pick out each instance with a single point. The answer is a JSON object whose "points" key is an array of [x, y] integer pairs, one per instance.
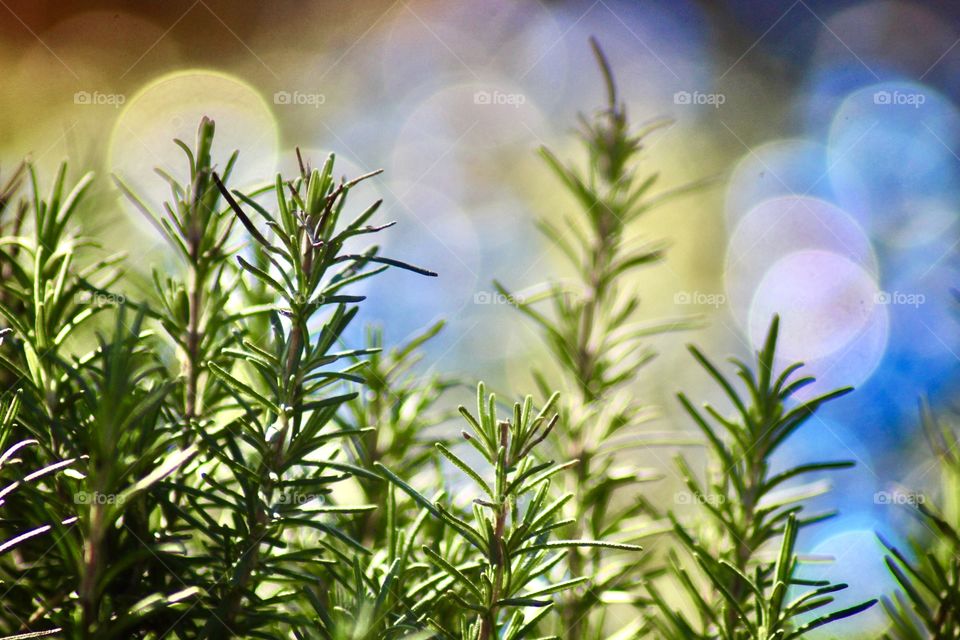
{"points": [[599, 345], [744, 510]]}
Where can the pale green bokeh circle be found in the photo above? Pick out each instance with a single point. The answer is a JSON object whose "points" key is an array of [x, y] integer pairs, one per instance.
{"points": [[172, 106]]}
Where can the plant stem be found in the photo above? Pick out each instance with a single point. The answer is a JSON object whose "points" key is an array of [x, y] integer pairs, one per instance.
{"points": [[92, 562], [291, 392], [604, 246], [742, 551], [192, 361], [498, 551]]}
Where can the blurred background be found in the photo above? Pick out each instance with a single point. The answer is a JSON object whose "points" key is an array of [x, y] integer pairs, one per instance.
{"points": [[832, 128]]}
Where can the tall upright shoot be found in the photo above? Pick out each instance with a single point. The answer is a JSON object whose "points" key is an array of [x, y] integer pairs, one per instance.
{"points": [[597, 341]]}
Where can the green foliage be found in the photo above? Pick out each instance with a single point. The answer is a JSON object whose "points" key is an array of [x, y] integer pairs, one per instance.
{"points": [[389, 592], [507, 544], [283, 392], [126, 449], [216, 460], [391, 418], [598, 343], [17, 480], [213, 486], [928, 604], [198, 228], [745, 509], [96, 411]]}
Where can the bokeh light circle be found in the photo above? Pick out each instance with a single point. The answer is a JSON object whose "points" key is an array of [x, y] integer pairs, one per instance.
{"points": [[788, 167], [483, 114], [866, 27], [892, 142], [826, 303], [171, 107], [855, 363], [783, 225]]}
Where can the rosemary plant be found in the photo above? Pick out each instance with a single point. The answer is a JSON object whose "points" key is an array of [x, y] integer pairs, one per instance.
{"points": [[11, 223], [193, 307], [387, 593], [218, 461], [196, 481], [745, 511], [18, 480], [506, 550], [283, 394], [598, 343], [391, 417], [98, 411], [928, 604]]}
